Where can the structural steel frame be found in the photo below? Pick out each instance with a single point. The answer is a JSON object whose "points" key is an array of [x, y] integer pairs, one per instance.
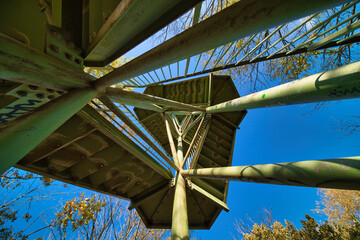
{"points": [[24, 64]]}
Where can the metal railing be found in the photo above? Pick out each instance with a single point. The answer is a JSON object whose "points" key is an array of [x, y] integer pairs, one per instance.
{"points": [[331, 28], [199, 139], [129, 132]]}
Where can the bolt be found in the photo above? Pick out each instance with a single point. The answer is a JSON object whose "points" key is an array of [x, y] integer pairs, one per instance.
{"points": [[101, 165], [54, 33], [70, 44], [39, 96], [69, 56], [58, 145], [137, 183], [54, 48], [82, 156], [78, 61], [32, 87], [128, 178], [21, 93]]}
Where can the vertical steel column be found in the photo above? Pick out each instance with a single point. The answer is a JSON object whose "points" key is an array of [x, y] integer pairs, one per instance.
{"points": [[180, 222], [20, 136], [171, 142], [180, 154]]}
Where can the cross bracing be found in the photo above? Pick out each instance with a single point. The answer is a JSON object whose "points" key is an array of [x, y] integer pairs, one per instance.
{"points": [[149, 147]]}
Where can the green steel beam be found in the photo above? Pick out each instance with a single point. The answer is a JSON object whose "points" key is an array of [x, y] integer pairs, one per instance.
{"points": [[171, 142], [193, 141], [207, 187], [340, 173], [179, 221], [182, 113], [20, 136], [214, 199], [45, 152], [226, 26], [21, 63], [137, 131], [56, 12], [144, 196], [345, 31], [190, 126], [139, 104], [138, 20], [180, 154], [121, 94], [104, 126], [336, 84]]}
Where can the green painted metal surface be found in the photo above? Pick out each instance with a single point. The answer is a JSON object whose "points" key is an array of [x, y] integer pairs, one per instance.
{"points": [[180, 223], [336, 84], [340, 173], [257, 15], [216, 148], [138, 19], [89, 152], [32, 128], [24, 64], [44, 46]]}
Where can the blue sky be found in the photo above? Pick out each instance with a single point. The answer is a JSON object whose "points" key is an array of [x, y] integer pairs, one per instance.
{"points": [[283, 134], [270, 135], [273, 135]]}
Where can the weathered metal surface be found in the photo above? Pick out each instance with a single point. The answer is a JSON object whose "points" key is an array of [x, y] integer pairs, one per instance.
{"points": [[88, 151], [87, 156], [209, 196], [216, 148], [24, 21], [121, 94], [179, 221], [139, 104], [171, 143], [340, 173], [32, 128], [224, 27], [192, 141], [17, 99], [336, 84], [130, 23], [155, 206], [20, 63], [60, 45], [136, 130], [190, 92], [117, 136]]}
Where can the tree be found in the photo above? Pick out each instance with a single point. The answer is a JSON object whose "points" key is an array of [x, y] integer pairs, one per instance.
{"points": [[349, 126], [100, 217], [19, 191], [341, 207], [256, 76], [94, 216], [87, 216]]}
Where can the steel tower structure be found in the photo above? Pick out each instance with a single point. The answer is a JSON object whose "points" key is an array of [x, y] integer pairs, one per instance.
{"points": [[167, 150]]}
